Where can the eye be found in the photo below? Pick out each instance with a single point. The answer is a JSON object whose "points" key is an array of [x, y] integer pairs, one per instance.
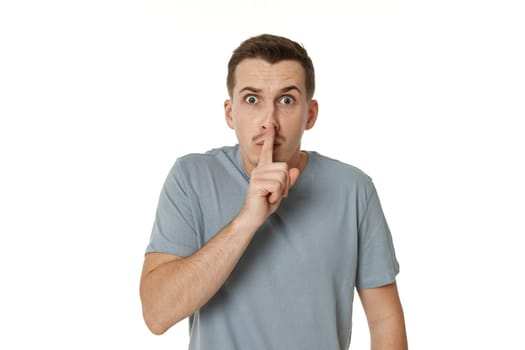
{"points": [[287, 100], [250, 99]]}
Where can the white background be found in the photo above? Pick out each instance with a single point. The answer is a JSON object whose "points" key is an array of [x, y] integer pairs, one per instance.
{"points": [[98, 98]]}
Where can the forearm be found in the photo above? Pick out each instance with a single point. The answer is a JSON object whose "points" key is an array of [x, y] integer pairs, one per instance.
{"points": [[385, 317], [174, 290], [389, 333]]}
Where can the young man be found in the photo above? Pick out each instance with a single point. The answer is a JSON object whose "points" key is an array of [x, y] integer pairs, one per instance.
{"points": [[261, 244]]}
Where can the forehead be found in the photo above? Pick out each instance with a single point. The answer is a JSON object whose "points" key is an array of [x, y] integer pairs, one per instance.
{"points": [[261, 74]]}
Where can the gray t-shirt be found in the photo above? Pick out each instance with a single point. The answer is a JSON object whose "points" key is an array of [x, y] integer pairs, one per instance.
{"points": [[293, 288]]}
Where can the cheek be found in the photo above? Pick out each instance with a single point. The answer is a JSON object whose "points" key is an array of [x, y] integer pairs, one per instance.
{"points": [[244, 130], [294, 125], [246, 121]]}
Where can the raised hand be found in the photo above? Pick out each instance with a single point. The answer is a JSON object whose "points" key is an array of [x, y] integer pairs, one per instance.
{"points": [[269, 183]]}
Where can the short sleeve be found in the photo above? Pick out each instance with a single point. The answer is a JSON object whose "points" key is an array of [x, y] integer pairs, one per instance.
{"points": [[174, 229], [377, 263]]}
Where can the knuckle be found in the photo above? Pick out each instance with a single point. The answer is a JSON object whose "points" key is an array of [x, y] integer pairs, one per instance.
{"points": [[282, 166], [274, 186]]}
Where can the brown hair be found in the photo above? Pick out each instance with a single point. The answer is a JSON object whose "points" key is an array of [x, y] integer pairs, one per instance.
{"points": [[272, 49]]}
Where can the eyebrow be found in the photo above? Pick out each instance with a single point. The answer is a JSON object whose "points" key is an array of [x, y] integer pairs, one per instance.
{"points": [[250, 89], [283, 90], [290, 88]]}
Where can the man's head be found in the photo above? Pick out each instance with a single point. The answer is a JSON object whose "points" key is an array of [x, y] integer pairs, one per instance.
{"points": [[272, 49], [270, 92]]}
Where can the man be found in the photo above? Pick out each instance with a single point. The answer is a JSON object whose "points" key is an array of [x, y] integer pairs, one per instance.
{"points": [[261, 244]]}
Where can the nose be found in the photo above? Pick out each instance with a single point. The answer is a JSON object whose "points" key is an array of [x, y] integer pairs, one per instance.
{"points": [[271, 120]]}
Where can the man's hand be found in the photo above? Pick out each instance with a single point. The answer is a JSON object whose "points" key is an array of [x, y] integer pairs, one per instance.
{"points": [[269, 183]]}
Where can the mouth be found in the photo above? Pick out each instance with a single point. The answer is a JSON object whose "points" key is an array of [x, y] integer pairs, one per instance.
{"points": [[275, 144]]}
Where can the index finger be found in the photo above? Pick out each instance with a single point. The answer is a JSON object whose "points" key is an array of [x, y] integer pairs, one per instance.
{"points": [[266, 156]]}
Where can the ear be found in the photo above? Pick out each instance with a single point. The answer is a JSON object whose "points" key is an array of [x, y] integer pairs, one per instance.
{"points": [[228, 113], [313, 109]]}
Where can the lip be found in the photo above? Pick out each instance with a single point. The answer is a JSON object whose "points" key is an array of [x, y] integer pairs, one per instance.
{"points": [[261, 143]]}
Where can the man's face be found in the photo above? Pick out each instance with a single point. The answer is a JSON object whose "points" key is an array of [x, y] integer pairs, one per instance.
{"points": [[267, 96]]}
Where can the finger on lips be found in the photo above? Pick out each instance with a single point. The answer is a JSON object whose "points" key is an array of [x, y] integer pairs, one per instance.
{"points": [[266, 158], [267, 148]]}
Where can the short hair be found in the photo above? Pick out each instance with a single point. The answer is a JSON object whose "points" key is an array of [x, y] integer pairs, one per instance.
{"points": [[273, 49]]}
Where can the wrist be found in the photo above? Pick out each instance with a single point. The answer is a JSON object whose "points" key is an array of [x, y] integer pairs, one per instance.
{"points": [[245, 223]]}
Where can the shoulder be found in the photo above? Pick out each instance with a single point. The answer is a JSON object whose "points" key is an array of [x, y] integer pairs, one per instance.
{"points": [[208, 160], [339, 170], [205, 170], [340, 179]]}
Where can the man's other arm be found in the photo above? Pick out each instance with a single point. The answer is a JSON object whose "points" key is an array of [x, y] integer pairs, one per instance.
{"points": [[385, 317]]}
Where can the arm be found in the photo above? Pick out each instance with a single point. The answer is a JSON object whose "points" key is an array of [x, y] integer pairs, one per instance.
{"points": [[385, 317], [173, 288]]}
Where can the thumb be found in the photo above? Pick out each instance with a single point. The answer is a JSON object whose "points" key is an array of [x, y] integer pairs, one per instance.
{"points": [[294, 174]]}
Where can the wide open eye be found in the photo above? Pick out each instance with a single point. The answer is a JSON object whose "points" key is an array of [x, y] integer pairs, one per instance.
{"points": [[251, 99], [287, 100]]}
